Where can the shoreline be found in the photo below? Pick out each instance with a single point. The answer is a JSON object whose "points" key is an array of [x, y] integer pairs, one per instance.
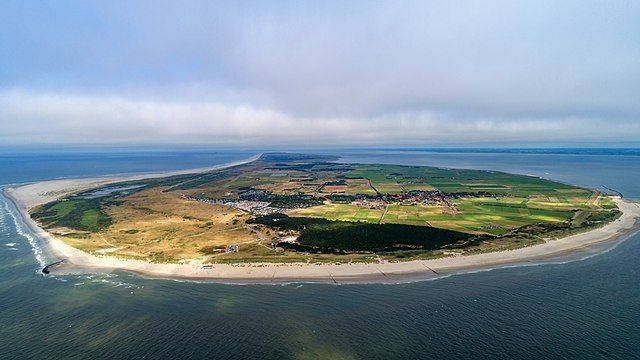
{"points": [[25, 197]]}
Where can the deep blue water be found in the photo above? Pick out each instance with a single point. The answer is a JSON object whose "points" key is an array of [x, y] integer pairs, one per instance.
{"points": [[578, 310], [24, 166]]}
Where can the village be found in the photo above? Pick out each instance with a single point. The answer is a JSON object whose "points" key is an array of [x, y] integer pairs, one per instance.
{"points": [[264, 202]]}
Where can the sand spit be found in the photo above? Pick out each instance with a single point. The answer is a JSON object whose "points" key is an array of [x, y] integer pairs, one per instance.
{"points": [[34, 194]]}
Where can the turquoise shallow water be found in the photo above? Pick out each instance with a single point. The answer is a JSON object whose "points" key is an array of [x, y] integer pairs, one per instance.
{"points": [[582, 309]]}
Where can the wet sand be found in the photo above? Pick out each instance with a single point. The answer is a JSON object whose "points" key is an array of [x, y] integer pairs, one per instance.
{"points": [[26, 197]]}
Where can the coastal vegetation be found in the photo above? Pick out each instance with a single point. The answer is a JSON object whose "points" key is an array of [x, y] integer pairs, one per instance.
{"points": [[298, 207], [75, 213]]}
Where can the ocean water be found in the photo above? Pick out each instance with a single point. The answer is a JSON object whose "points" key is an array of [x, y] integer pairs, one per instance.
{"points": [[588, 309]]}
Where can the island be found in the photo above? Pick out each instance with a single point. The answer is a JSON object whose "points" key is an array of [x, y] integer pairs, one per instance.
{"points": [[287, 217]]}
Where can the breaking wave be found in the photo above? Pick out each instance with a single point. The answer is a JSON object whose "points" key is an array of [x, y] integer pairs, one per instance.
{"points": [[22, 230]]}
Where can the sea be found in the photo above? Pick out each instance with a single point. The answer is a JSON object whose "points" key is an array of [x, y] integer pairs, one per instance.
{"points": [[585, 307]]}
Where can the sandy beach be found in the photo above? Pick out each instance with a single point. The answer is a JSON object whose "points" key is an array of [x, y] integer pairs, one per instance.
{"points": [[28, 196]]}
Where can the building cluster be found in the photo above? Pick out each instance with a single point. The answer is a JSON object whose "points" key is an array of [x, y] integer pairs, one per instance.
{"points": [[421, 197], [254, 207], [413, 197], [262, 202]]}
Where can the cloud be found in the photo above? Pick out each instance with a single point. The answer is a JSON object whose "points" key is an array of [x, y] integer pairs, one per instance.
{"points": [[71, 118], [330, 72]]}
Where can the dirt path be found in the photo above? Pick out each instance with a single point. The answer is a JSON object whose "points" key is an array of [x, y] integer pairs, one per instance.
{"points": [[373, 187], [105, 240], [383, 214]]}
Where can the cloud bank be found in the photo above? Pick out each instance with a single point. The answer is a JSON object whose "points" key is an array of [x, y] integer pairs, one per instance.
{"points": [[64, 118], [351, 73]]}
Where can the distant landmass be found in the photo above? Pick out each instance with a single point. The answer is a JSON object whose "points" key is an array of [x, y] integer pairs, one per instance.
{"points": [[556, 151], [286, 207]]}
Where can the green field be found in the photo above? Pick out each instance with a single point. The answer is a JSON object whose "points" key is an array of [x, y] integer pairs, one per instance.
{"points": [[76, 214]]}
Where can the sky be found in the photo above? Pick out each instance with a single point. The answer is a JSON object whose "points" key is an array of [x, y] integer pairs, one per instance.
{"points": [[323, 73]]}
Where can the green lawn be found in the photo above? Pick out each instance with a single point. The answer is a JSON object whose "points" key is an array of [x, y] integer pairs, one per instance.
{"points": [[90, 218], [345, 212]]}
